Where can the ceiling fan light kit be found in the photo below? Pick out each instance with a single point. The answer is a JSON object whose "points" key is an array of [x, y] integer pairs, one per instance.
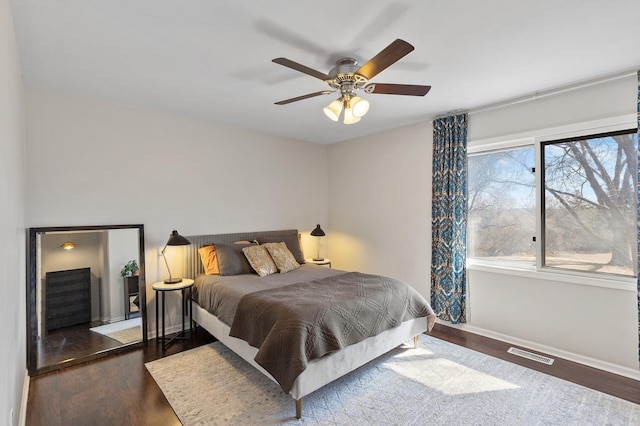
{"points": [[354, 109], [346, 77]]}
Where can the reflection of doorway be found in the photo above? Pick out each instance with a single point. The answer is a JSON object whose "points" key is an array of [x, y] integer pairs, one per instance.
{"points": [[90, 252], [103, 299]]}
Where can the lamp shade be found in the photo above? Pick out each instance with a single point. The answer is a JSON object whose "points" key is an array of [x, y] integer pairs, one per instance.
{"points": [[349, 118], [359, 106], [318, 232], [334, 109], [176, 239]]}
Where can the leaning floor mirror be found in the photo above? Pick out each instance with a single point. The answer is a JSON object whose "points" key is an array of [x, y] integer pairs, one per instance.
{"points": [[86, 294]]}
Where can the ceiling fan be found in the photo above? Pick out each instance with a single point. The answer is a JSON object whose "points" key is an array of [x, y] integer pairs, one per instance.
{"points": [[347, 77]]}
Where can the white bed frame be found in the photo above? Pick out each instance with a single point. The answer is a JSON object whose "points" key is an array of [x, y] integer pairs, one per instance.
{"points": [[319, 372], [322, 371]]}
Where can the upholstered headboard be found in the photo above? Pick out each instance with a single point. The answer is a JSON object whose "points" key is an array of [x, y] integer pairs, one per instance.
{"points": [[193, 266]]}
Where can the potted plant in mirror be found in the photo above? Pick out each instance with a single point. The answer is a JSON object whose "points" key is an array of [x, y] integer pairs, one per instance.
{"points": [[130, 269]]}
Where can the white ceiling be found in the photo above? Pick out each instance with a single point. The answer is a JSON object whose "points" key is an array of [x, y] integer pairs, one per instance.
{"points": [[212, 59]]}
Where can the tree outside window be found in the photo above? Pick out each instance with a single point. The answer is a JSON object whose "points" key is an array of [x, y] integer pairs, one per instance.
{"points": [[501, 206], [588, 216], [590, 203]]}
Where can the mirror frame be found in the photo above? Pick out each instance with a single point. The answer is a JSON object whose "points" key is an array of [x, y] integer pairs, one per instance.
{"points": [[32, 320]]}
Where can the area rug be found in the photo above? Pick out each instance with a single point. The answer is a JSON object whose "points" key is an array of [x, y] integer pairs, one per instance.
{"points": [[437, 384], [127, 331]]}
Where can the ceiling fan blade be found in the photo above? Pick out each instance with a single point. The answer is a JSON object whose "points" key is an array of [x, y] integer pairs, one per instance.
{"points": [[299, 67], [397, 89], [307, 96], [387, 57]]}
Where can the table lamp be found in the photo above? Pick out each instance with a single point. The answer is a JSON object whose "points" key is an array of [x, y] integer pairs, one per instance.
{"points": [[175, 239], [319, 233]]}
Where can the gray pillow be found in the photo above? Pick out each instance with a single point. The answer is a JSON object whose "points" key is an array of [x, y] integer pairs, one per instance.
{"points": [[292, 244], [231, 259]]}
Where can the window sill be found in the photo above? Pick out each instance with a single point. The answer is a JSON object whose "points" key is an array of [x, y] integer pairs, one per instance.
{"points": [[606, 281]]}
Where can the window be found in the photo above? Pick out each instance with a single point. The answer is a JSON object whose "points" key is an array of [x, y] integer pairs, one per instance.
{"points": [[587, 217], [501, 221]]}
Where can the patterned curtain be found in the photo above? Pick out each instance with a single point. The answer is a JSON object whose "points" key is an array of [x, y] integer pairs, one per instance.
{"points": [[449, 218], [638, 213]]}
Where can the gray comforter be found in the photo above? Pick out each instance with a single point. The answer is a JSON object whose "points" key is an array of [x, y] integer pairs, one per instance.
{"points": [[220, 295], [309, 314]]}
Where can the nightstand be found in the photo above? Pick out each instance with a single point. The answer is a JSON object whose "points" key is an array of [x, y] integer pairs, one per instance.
{"points": [[322, 262], [161, 288]]}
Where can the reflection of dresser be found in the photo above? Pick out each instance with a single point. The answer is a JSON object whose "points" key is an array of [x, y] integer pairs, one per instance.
{"points": [[67, 298], [131, 297]]}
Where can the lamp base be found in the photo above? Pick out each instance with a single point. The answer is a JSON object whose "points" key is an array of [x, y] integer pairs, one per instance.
{"points": [[173, 280], [318, 259]]}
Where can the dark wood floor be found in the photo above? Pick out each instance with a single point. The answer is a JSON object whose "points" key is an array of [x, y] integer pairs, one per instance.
{"points": [[118, 390]]}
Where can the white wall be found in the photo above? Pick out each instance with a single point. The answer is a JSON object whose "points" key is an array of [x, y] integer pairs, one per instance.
{"points": [[12, 223], [594, 325], [380, 221], [99, 163], [380, 204]]}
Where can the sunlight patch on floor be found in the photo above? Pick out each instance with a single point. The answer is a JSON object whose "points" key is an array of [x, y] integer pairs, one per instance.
{"points": [[450, 378]]}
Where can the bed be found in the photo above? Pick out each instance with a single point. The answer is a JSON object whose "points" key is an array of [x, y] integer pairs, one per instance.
{"points": [[288, 343]]}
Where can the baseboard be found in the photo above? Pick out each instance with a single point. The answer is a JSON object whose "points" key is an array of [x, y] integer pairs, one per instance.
{"points": [[22, 418], [111, 320], [548, 350], [167, 331]]}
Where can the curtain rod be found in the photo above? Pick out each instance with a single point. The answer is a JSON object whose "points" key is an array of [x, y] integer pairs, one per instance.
{"points": [[539, 95]]}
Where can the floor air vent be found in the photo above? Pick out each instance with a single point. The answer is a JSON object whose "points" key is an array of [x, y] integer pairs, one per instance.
{"points": [[535, 357]]}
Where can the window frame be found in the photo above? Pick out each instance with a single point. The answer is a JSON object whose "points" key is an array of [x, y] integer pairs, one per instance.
{"points": [[522, 143], [540, 190], [537, 138]]}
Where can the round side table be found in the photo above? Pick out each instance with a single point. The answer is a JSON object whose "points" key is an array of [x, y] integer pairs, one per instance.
{"points": [[322, 262], [161, 288]]}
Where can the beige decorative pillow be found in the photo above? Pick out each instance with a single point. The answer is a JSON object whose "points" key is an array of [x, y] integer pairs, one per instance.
{"points": [[291, 241], [282, 256], [260, 261]]}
